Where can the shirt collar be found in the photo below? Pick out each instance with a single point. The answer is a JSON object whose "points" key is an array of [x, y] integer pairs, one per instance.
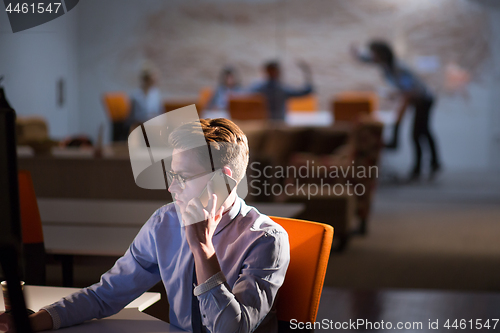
{"points": [[229, 216]]}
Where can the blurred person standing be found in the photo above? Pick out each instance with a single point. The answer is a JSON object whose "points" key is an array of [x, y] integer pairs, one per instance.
{"points": [[146, 101], [228, 84], [276, 93], [413, 92]]}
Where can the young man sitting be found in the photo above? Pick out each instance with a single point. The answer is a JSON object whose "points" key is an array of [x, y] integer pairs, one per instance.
{"points": [[236, 257]]}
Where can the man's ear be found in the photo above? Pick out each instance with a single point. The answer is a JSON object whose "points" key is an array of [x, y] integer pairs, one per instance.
{"points": [[227, 171]]}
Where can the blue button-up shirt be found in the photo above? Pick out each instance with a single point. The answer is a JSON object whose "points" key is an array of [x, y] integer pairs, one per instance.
{"points": [[404, 80], [276, 95], [253, 253]]}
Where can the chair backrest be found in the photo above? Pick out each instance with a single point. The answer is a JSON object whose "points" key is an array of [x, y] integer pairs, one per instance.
{"points": [[117, 105], [31, 128], [32, 232], [310, 246], [353, 105], [204, 97], [30, 215], [248, 108], [174, 104], [308, 103]]}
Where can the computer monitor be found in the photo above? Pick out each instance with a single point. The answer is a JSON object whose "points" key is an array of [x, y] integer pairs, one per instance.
{"points": [[10, 221], [10, 225]]}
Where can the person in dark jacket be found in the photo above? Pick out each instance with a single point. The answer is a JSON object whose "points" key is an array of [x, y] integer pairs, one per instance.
{"points": [[277, 93], [228, 84], [413, 93]]}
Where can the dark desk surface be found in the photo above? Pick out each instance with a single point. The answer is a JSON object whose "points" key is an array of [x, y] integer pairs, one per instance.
{"points": [[340, 305]]}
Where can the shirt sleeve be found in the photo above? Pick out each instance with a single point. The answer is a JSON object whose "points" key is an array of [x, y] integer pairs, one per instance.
{"points": [[255, 88], [365, 57], [134, 273], [212, 102], [406, 81], [243, 306], [297, 92]]}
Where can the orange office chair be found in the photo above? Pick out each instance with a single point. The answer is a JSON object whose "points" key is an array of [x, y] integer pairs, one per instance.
{"points": [[251, 107], [174, 104], [204, 97], [308, 103], [352, 106], [118, 107], [31, 223], [310, 246]]}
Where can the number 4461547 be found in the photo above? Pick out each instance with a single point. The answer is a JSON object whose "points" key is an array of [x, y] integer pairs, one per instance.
{"points": [[32, 8], [470, 324]]}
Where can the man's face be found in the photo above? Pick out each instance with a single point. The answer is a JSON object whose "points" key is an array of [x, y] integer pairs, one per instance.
{"points": [[273, 73], [186, 164], [230, 81]]}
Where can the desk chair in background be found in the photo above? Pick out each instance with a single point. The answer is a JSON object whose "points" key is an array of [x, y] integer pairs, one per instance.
{"points": [[174, 104], [308, 103], [32, 233], [351, 106], [204, 97], [251, 107], [310, 246], [118, 108]]}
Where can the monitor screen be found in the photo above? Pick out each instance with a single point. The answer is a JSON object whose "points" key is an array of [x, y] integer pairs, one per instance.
{"points": [[10, 220]]}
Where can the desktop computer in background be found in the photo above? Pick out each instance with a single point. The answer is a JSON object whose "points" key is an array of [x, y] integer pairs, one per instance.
{"points": [[10, 221]]}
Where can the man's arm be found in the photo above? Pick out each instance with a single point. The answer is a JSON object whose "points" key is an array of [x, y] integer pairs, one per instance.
{"points": [[132, 274], [40, 321], [211, 102], [358, 55], [307, 88], [242, 307], [405, 102]]}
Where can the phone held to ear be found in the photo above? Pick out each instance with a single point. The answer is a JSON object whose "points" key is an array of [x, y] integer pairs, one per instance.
{"points": [[222, 186]]}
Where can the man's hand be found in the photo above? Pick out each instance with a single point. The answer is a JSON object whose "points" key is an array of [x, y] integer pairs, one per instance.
{"points": [[40, 321], [405, 102], [354, 51], [200, 225], [306, 69], [201, 222], [6, 324]]}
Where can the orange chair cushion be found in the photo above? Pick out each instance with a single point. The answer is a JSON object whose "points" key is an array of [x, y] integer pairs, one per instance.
{"points": [[358, 96], [204, 97], [310, 246], [352, 106], [30, 215], [308, 103], [117, 105], [247, 108]]}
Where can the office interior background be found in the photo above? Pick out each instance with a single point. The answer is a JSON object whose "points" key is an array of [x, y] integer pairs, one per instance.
{"points": [[440, 235]]}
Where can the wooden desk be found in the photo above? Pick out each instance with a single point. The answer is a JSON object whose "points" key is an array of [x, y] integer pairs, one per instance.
{"points": [[131, 319], [38, 296], [125, 321]]}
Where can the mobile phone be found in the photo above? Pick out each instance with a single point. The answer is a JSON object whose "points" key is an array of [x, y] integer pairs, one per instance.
{"points": [[223, 185]]}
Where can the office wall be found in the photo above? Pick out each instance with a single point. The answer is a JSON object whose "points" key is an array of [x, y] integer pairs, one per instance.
{"points": [[188, 43], [101, 46], [32, 62], [495, 89]]}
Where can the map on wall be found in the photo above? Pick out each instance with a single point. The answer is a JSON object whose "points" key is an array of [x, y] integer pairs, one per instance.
{"points": [[445, 41]]}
